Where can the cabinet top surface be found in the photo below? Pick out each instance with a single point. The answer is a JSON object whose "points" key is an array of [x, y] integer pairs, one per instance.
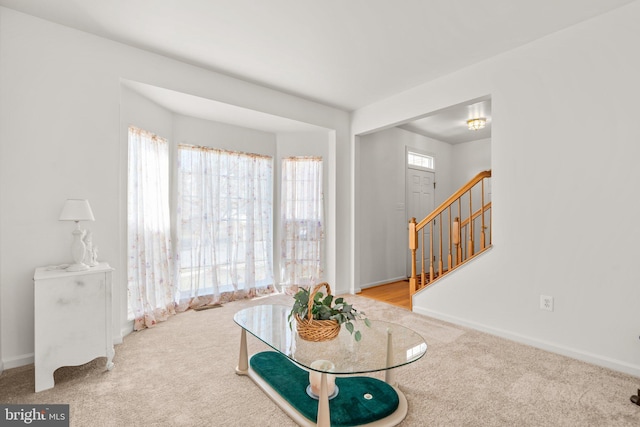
{"points": [[53, 271]]}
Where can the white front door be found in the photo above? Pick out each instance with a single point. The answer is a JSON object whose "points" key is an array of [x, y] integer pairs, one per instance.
{"points": [[420, 203]]}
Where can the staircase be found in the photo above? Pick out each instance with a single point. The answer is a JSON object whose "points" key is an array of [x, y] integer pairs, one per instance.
{"points": [[453, 234]]}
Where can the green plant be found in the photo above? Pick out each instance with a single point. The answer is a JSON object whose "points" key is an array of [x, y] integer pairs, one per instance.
{"points": [[322, 309]]}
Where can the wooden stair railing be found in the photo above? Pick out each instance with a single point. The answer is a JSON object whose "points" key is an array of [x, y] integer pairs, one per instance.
{"points": [[461, 224]]}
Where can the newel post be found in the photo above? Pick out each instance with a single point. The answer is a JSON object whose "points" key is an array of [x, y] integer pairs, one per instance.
{"points": [[413, 246]]}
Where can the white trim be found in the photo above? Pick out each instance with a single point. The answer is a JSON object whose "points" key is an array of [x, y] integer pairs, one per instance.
{"points": [[125, 329], [28, 359], [354, 209], [17, 361], [584, 356]]}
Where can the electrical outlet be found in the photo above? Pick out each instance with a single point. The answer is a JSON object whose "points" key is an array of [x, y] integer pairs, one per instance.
{"points": [[546, 303]]}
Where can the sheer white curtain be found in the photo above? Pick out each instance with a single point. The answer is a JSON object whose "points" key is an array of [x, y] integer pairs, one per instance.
{"points": [[302, 206], [150, 272], [224, 225]]}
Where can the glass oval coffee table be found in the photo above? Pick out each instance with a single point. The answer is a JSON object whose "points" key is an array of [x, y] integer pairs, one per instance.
{"points": [[357, 400]]}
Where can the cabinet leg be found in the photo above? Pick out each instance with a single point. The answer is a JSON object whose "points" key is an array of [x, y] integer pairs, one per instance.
{"points": [[44, 380], [243, 358], [110, 354]]}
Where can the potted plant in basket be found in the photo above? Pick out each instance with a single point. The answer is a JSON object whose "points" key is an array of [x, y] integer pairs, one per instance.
{"points": [[319, 317]]}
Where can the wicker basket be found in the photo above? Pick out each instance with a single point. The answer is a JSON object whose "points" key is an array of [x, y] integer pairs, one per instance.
{"points": [[311, 329]]}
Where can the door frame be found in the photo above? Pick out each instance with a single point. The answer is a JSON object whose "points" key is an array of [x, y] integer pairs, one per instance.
{"points": [[407, 196]]}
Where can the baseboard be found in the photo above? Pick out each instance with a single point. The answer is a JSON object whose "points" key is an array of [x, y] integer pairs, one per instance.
{"points": [[16, 362], [584, 356], [125, 330], [28, 359]]}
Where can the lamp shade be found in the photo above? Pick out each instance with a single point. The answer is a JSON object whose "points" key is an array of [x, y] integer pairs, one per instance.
{"points": [[76, 210]]}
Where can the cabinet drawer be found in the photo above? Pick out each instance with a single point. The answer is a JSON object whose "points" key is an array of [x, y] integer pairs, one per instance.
{"points": [[69, 309]]}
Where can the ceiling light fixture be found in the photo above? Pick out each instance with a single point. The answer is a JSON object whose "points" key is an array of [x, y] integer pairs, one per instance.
{"points": [[476, 124]]}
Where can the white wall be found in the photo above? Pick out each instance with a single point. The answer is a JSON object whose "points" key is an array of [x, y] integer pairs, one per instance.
{"points": [[468, 159], [564, 187], [381, 194], [194, 131], [60, 137], [139, 111]]}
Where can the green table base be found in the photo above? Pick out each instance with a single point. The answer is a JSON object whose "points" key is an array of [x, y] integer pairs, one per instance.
{"points": [[348, 408]]}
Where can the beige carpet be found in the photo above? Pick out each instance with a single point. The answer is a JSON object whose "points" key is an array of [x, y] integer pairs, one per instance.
{"points": [[181, 373]]}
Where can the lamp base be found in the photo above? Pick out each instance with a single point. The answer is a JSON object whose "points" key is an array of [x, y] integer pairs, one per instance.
{"points": [[77, 267]]}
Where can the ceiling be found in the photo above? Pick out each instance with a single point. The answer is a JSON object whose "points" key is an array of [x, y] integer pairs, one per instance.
{"points": [[207, 109], [342, 53], [450, 125]]}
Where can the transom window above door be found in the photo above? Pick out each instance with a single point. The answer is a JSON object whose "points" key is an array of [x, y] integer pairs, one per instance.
{"points": [[420, 160]]}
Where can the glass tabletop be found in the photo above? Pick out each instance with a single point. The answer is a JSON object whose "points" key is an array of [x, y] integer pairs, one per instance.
{"points": [[269, 324]]}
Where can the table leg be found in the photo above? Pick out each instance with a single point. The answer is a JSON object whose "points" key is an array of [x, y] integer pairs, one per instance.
{"points": [[243, 358], [389, 374], [324, 416]]}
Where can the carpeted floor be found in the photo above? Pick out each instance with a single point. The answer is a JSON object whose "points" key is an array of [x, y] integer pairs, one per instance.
{"points": [[181, 373]]}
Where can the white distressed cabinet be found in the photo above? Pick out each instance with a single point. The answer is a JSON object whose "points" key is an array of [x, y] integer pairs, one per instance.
{"points": [[72, 320]]}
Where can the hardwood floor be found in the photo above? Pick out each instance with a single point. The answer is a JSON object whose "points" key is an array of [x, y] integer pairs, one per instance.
{"points": [[396, 293]]}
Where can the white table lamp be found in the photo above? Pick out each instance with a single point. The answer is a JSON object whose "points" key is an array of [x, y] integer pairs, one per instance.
{"points": [[77, 210]]}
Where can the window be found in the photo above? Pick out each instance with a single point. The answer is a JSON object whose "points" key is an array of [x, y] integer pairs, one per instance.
{"points": [[420, 160], [224, 221], [302, 220]]}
